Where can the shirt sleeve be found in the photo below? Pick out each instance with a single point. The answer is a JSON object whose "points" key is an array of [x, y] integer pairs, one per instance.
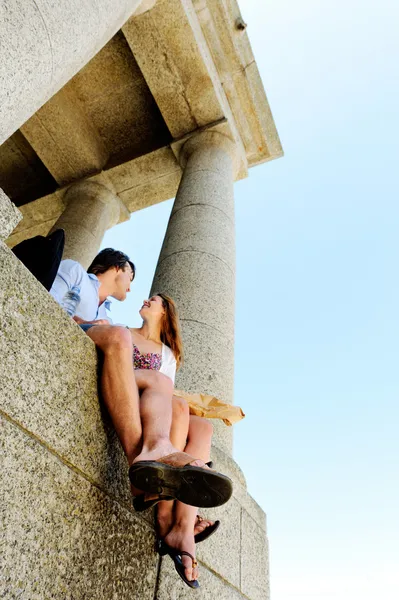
{"points": [[68, 275], [168, 367]]}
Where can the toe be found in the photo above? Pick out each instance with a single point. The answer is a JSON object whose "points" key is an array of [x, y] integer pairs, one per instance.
{"points": [[188, 567]]}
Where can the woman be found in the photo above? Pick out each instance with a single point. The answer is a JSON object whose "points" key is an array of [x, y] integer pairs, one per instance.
{"points": [[157, 346]]}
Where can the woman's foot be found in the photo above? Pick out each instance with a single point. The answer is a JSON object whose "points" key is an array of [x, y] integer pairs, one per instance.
{"points": [[201, 524], [165, 520], [181, 538]]}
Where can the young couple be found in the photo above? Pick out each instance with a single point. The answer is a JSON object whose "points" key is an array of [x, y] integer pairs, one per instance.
{"points": [[167, 449]]}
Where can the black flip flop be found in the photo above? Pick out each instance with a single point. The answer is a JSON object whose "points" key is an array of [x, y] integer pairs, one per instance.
{"points": [[161, 546], [174, 476], [176, 556], [207, 532]]}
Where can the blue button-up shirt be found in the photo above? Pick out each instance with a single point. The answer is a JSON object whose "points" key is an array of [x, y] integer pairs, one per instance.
{"points": [[72, 273]]}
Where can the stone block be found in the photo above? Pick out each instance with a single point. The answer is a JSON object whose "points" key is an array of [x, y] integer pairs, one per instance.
{"points": [[9, 216], [143, 170], [47, 386], [171, 587], [221, 553], [62, 537], [65, 138], [141, 196], [48, 42], [254, 559]]}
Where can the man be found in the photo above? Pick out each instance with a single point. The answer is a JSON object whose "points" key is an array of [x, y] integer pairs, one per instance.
{"points": [[110, 274]]}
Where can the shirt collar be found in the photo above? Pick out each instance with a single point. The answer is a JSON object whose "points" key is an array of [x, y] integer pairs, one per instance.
{"points": [[107, 302], [94, 279]]}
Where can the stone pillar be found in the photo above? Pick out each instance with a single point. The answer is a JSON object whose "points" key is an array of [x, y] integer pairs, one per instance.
{"points": [[197, 268], [44, 44], [91, 209]]}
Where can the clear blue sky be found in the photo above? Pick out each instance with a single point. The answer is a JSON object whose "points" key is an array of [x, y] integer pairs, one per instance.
{"points": [[317, 298]]}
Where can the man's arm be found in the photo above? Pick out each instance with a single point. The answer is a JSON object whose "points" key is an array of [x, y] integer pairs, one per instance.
{"points": [[80, 321], [68, 275]]}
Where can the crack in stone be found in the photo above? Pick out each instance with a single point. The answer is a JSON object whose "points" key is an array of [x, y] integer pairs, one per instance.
{"points": [[198, 252], [205, 324], [49, 40], [68, 464], [203, 204]]}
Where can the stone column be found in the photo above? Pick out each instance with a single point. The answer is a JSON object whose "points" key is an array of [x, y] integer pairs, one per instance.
{"points": [[91, 209], [44, 44], [197, 268]]}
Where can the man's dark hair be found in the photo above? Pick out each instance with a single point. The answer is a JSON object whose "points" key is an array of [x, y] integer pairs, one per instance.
{"points": [[109, 258]]}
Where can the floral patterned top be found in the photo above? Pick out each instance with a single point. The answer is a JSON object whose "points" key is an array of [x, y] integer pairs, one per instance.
{"points": [[149, 360]]}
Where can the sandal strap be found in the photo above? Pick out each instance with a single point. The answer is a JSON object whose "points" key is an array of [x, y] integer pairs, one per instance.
{"points": [[184, 553]]}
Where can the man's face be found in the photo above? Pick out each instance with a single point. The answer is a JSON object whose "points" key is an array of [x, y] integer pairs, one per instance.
{"points": [[123, 279]]}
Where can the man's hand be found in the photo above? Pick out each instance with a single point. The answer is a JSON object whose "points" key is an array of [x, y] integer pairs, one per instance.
{"points": [[80, 321]]}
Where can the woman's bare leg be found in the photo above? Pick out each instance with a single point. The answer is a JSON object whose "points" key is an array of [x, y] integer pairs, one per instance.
{"points": [[181, 536], [156, 392], [156, 414], [178, 437]]}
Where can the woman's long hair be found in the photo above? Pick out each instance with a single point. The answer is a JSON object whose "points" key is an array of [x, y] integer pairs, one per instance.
{"points": [[170, 332]]}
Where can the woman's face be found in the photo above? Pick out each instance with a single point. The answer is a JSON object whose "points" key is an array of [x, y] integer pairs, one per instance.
{"points": [[152, 307]]}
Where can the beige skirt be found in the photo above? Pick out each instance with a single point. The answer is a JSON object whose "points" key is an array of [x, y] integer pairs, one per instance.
{"points": [[210, 407]]}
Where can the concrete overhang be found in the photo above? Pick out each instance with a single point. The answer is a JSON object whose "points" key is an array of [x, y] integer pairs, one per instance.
{"points": [[182, 66]]}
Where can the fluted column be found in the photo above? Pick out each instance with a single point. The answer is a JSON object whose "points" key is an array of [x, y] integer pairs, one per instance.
{"points": [[44, 44], [197, 268], [91, 209]]}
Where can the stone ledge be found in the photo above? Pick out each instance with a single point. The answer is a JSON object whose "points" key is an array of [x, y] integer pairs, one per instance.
{"points": [[10, 216], [63, 538]]}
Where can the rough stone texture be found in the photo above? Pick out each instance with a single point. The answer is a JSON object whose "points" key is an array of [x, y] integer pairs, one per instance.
{"points": [[9, 216], [46, 386], [254, 559], [167, 44], [171, 587], [65, 139], [63, 538], [228, 536], [117, 101], [91, 209], [197, 268], [43, 44]]}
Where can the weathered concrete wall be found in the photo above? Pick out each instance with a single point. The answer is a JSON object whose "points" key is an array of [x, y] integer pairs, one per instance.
{"points": [[69, 528]]}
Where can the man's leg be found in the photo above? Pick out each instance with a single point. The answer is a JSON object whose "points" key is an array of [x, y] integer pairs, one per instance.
{"points": [[118, 384]]}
